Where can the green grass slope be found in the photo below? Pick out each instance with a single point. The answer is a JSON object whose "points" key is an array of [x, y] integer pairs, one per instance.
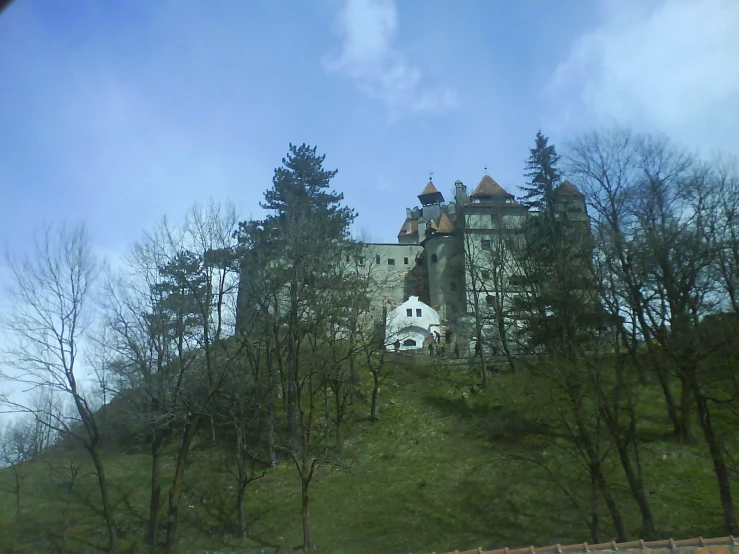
{"points": [[445, 467]]}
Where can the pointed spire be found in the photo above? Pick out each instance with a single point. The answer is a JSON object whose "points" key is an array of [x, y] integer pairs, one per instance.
{"points": [[430, 189], [445, 224]]}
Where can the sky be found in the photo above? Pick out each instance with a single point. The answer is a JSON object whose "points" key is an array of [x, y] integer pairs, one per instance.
{"points": [[119, 113]]}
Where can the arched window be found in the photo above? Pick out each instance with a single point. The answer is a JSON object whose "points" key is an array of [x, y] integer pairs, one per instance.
{"points": [[434, 258], [409, 342]]}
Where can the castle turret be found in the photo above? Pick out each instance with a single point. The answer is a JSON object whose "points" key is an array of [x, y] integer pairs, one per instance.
{"points": [[430, 195], [445, 262]]}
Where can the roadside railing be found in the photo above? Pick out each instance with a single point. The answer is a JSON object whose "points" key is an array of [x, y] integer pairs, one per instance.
{"points": [[721, 545]]}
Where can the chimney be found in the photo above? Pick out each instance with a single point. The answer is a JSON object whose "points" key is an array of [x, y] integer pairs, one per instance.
{"points": [[460, 193], [421, 229]]}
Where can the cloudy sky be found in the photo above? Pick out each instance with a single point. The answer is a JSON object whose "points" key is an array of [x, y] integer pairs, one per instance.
{"points": [[118, 113]]}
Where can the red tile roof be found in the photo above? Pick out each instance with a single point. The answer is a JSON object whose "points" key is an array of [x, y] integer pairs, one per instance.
{"points": [[567, 188], [445, 224], [404, 229], [430, 189], [720, 545], [488, 187]]}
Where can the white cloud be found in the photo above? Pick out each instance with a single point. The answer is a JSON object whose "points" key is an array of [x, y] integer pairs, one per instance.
{"points": [[368, 29], [669, 65]]}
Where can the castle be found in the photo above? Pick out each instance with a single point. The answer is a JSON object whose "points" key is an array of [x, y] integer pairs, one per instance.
{"points": [[460, 257]]}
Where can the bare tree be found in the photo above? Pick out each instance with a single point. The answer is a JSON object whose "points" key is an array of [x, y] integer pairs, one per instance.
{"points": [[150, 320], [205, 269], [662, 235], [52, 294], [492, 293]]}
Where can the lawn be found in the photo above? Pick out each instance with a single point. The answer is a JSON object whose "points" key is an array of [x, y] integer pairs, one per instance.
{"points": [[445, 467]]}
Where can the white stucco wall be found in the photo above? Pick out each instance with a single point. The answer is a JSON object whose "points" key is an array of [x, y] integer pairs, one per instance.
{"points": [[390, 279], [402, 327]]}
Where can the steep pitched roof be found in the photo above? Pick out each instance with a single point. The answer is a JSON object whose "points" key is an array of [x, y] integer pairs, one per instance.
{"points": [[488, 187], [430, 189], [404, 229], [445, 224], [567, 188]]}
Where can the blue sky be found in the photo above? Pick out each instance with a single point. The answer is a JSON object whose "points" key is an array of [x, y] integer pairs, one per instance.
{"points": [[119, 113]]}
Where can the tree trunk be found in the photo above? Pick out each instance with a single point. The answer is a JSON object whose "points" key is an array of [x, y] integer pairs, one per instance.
{"points": [[594, 523], [306, 515], [672, 412], [719, 465], [375, 390], [270, 424], [240, 510], [686, 410], [637, 491], [483, 369], [597, 471], [594, 465], [156, 492], [504, 343], [107, 508], [175, 491], [292, 413]]}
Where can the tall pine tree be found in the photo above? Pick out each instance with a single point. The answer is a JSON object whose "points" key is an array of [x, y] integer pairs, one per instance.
{"points": [[300, 190], [541, 170]]}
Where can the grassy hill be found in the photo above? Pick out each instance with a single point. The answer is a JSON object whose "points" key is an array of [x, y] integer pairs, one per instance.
{"points": [[445, 467]]}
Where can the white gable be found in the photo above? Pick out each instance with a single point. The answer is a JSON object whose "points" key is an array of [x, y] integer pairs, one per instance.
{"points": [[410, 324]]}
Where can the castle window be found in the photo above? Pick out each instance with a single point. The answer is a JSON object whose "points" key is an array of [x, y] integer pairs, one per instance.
{"points": [[377, 259], [405, 261], [485, 244], [485, 274], [434, 258], [418, 312], [390, 261], [490, 300], [452, 286], [361, 260], [409, 312], [509, 244], [409, 342]]}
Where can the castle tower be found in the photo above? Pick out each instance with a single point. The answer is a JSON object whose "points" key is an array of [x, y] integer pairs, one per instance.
{"points": [[444, 258], [570, 203], [431, 200]]}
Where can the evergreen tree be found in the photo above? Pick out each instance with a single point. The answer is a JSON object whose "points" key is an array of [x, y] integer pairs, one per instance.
{"points": [[300, 191], [555, 261], [541, 170]]}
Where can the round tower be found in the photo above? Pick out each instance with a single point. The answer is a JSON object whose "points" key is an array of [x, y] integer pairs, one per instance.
{"points": [[443, 250]]}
